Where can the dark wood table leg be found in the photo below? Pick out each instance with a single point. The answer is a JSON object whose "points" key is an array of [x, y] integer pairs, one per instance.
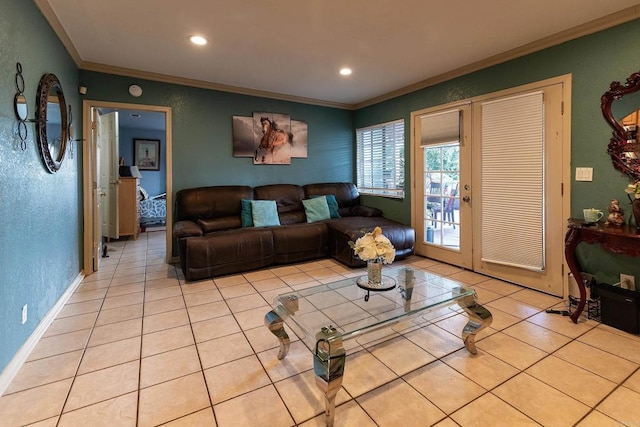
{"points": [[571, 240]]}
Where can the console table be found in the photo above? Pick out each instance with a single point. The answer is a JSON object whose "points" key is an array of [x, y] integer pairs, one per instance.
{"points": [[619, 240]]}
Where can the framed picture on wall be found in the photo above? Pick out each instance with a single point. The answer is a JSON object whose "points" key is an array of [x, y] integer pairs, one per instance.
{"points": [[146, 154]]}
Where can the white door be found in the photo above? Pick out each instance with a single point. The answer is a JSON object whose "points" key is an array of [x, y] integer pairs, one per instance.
{"points": [[519, 211], [442, 209], [96, 192], [109, 173], [484, 223]]}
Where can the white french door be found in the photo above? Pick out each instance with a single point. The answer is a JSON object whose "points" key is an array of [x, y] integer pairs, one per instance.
{"points": [[442, 198], [498, 222]]}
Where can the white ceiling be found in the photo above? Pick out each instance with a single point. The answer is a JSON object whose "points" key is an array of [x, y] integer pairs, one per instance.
{"points": [[294, 48]]}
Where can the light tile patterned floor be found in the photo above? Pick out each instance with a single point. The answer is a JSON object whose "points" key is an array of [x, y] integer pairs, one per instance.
{"points": [[138, 346]]}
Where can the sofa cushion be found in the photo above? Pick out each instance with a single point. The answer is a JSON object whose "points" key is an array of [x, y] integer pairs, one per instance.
{"points": [[264, 213], [217, 224], [210, 202], [226, 252], [288, 197], [316, 209], [246, 215], [349, 229], [346, 194], [186, 228], [360, 210], [299, 242]]}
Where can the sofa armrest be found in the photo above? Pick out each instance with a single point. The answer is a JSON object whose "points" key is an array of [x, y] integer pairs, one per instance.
{"points": [[186, 228], [360, 210]]}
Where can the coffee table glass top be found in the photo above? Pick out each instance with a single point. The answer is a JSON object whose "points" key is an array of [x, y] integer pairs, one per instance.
{"points": [[341, 305]]}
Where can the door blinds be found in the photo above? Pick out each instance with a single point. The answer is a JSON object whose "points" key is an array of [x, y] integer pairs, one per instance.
{"points": [[440, 128], [513, 226]]}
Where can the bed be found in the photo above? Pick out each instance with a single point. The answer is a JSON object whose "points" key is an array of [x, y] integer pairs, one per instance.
{"points": [[152, 210]]}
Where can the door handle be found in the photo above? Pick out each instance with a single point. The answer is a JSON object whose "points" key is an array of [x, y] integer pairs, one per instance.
{"points": [[466, 199]]}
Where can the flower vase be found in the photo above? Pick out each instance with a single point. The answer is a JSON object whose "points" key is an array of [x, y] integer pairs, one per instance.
{"points": [[374, 271], [635, 205]]}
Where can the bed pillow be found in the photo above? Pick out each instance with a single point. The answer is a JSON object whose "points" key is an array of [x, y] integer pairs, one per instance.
{"points": [[264, 213], [143, 194], [246, 214], [316, 209], [332, 203]]}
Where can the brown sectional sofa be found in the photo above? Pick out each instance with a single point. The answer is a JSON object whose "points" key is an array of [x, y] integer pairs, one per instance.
{"points": [[212, 241]]}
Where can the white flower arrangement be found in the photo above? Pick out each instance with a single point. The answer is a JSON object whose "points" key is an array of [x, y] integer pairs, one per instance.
{"points": [[633, 189], [374, 245]]}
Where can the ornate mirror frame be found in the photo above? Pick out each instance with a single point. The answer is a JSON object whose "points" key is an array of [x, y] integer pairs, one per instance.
{"points": [[50, 92], [622, 143]]}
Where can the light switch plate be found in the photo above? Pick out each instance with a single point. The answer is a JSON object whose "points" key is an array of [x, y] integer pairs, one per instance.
{"points": [[584, 174]]}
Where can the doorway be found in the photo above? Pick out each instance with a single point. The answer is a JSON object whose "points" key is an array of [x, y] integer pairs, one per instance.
{"points": [[474, 150], [93, 234]]}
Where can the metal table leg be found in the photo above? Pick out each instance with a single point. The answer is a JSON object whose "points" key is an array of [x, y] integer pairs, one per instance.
{"points": [[479, 318], [276, 325], [328, 364]]}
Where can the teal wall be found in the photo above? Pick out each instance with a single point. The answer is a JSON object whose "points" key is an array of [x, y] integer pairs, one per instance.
{"points": [[40, 231], [594, 62], [202, 133]]}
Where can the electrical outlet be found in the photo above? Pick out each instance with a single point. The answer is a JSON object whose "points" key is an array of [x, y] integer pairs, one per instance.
{"points": [[628, 281], [24, 314]]}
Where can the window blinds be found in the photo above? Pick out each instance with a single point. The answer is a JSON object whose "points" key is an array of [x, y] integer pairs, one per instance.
{"points": [[513, 227], [380, 159]]}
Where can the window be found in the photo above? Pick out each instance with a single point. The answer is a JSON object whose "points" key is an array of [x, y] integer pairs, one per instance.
{"points": [[380, 159]]}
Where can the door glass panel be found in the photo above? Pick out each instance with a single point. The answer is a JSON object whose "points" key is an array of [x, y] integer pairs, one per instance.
{"points": [[441, 198]]}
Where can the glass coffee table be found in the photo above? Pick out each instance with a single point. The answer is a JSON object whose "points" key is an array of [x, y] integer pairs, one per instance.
{"points": [[326, 315]]}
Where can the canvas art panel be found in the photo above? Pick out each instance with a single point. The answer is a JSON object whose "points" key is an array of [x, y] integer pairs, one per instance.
{"points": [[269, 138], [243, 137], [272, 138], [299, 130]]}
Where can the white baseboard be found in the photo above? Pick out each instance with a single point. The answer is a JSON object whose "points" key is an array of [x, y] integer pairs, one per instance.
{"points": [[22, 355]]}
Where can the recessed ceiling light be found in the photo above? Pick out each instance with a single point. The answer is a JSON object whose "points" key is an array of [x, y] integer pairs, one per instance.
{"points": [[199, 40], [345, 71]]}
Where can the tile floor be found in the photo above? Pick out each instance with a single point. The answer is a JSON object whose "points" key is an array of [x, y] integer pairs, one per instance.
{"points": [[137, 345]]}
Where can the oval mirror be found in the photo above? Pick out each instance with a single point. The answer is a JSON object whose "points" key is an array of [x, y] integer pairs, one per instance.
{"points": [[623, 146], [51, 119]]}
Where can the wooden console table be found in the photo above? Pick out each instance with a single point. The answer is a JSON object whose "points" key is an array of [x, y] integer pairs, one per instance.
{"points": [[619, 240]]}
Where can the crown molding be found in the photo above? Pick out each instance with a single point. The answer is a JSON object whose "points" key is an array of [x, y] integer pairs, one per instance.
{"points": [[165, 78], [600, 24]]}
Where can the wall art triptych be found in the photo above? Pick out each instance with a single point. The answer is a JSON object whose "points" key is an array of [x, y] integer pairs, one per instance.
{"points": [[269, 138]]}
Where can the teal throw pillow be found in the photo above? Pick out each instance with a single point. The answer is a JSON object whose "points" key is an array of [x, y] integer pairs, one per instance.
{"points": [[316, 209], [264, 213], [246, 216], [332, 203]]}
